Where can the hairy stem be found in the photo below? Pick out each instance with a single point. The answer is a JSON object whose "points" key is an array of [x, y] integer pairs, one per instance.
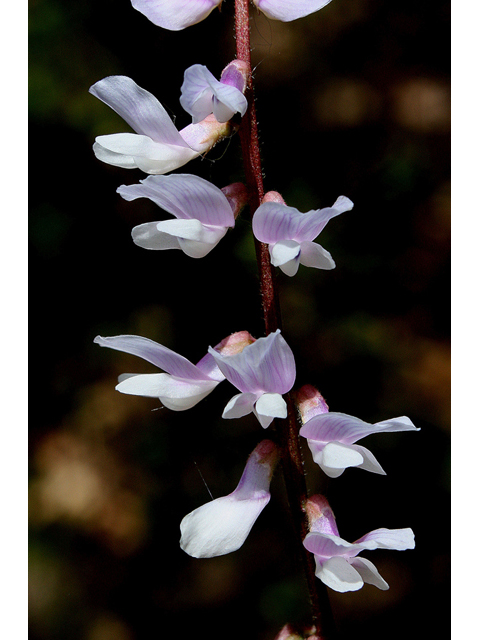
{"points": [[287, 429]]}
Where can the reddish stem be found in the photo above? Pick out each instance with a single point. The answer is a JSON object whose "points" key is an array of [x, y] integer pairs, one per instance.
{"points": [[287, 429]]}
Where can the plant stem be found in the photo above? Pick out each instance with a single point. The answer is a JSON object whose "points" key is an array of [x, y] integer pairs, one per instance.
{"points": [[287, 429]]}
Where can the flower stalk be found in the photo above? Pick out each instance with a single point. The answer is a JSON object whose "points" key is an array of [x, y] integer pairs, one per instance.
{"points": [[286, 429]]}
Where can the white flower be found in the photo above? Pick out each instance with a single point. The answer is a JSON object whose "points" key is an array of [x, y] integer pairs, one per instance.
{"points": [[157, 146], [222, 525]]}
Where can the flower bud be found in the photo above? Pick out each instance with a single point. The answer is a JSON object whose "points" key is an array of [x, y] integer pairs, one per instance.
{"points": [[234, 343], [320, 515], [273, 196], [236, 75], [237, 196], [309, 402]]}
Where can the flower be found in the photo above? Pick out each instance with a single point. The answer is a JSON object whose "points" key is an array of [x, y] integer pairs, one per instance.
{"points": [[263, 371], [178, 14], [222, 525], [337, 562], [175, 14], [330, 437], [288, 10], [203, 213], [289, 233], [202, 94], [157, 146], [184, 384]]}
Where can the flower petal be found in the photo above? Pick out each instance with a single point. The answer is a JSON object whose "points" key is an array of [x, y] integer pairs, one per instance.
{"points": [[273, 222], [313, 223], [283, 251], [139, 108], [328, 545], [148, 236], [185, 196], [175, 393], [267, 365], [157, 354], [142, 152], [398, 539], [369, 572], [370, 463], [314, 255], [240, 405], [338, 574], [175, 14], [271, 405], [340, 456], [290, 268], [221, 526], [341, 427], [202, 94]]}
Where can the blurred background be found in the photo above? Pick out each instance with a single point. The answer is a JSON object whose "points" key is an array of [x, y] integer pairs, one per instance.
{"points": [[353, 100]]}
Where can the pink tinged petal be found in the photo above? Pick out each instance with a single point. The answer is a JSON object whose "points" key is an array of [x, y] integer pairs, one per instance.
{"points": [[139, 108], [175, 14], [221, 526], [267, 365], [313, 223], [329, 545], [338, 574], [369, 572], [397, 539], [185, 196], [236, 75], [273, 222], [209, 367], [314, 255], [155, 353], [341, 427], [240, 405], [175, 393], [202, 94]]}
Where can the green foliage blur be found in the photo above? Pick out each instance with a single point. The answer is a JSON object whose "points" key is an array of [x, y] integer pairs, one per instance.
{"points": [[353, 101]]}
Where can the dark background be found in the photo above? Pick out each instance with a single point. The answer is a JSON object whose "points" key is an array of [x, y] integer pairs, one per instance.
{"points": [[354, 101]]}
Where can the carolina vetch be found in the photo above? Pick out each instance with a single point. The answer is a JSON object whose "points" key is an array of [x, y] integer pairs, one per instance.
{"points": [[290, 234], [179, 14], [222, 525], [337, 562], [203, 212], [331, 437], [202, 94], [157, 146], [184, 384], [263, 371]]}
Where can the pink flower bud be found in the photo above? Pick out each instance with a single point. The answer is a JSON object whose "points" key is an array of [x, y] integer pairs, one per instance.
{"points": [[234, 343], [320, 515], [309, 402], [237, 196], [236, 75], [273, 196]]}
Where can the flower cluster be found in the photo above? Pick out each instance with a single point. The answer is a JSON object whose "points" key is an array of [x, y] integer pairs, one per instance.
{"points": [[262, 370]]}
